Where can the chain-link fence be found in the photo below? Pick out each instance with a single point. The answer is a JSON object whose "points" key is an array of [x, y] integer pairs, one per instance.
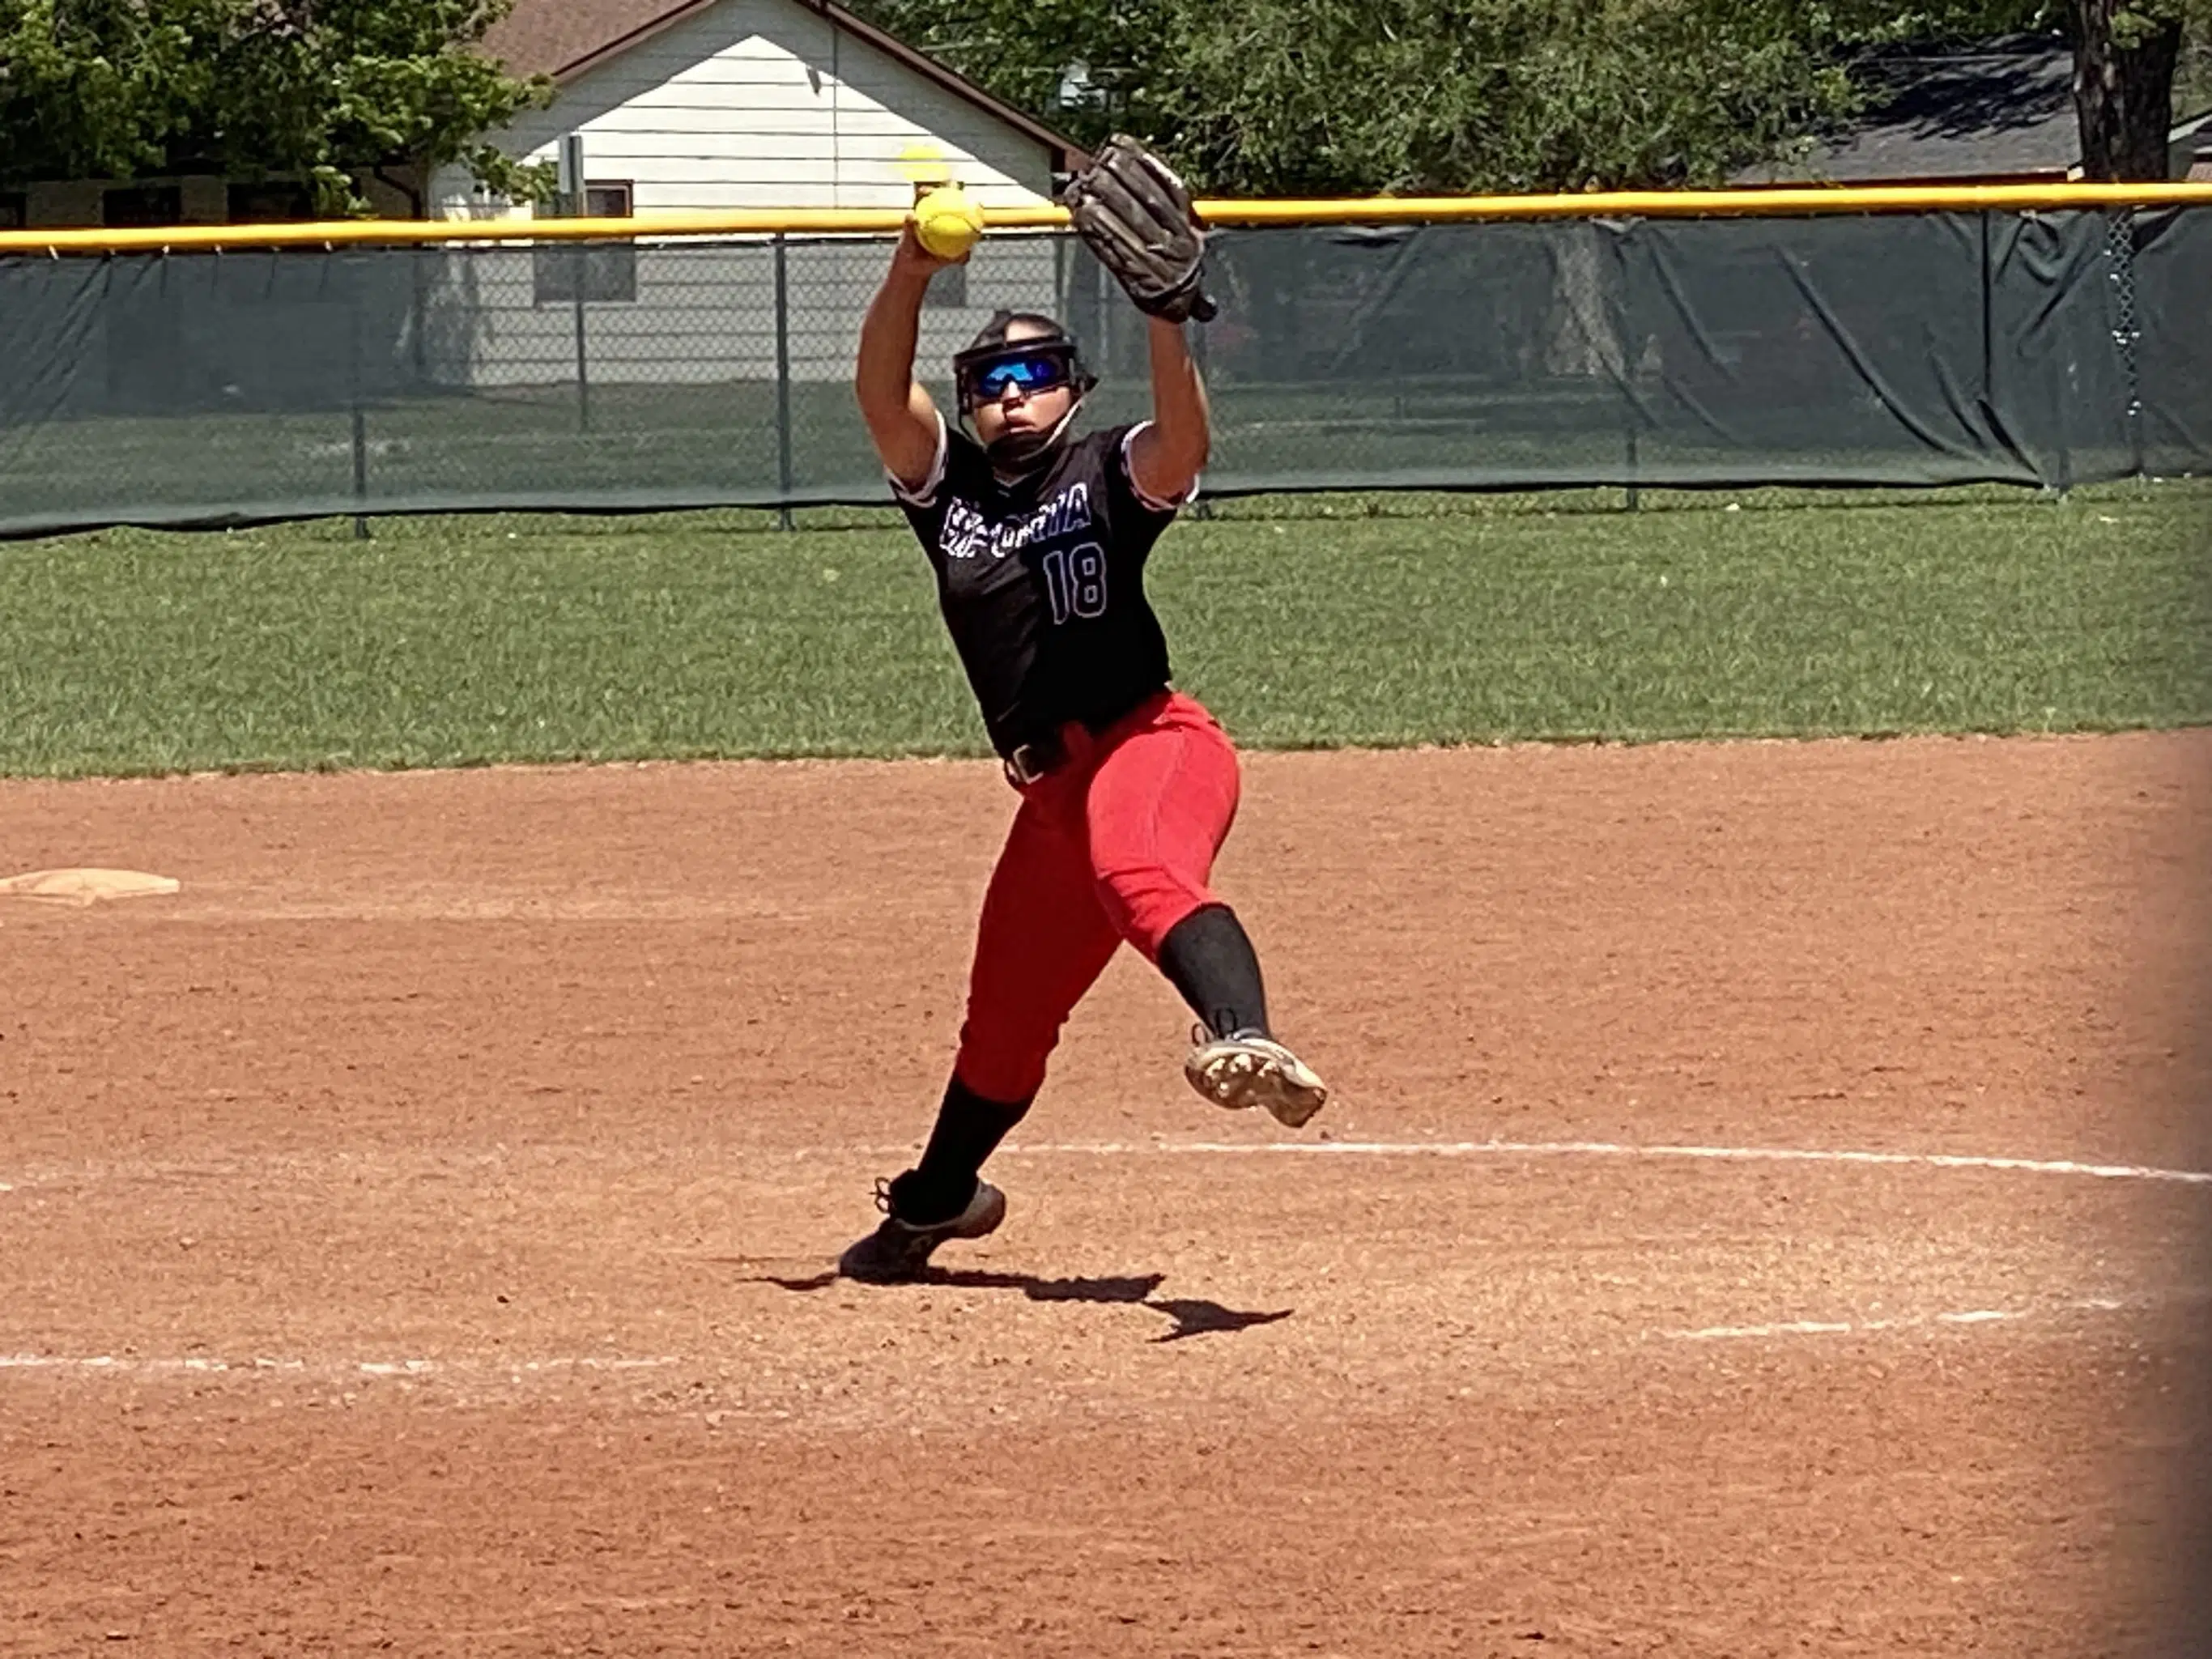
{"points": [[2035, 347]]}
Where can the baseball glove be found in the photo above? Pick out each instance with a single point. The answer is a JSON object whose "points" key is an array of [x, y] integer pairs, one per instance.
{"points": [[1135, 216]]}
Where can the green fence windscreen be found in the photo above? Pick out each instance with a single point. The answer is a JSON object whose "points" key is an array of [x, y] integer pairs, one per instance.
{"points": [[197, 387]]}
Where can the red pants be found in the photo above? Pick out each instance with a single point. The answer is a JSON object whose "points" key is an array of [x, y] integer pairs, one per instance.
{"points": [[1117, 843]]}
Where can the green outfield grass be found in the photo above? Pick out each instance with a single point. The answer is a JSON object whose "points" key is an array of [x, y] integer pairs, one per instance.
{"points": [[1379, 620]]}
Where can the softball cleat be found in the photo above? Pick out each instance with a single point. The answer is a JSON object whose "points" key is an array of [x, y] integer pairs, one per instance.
{"points": [[1247, 1069], [899, 1250]]}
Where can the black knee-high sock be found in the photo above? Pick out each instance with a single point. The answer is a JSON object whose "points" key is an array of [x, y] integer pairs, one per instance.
{"points": [[968, 1129], [1209, 957]]}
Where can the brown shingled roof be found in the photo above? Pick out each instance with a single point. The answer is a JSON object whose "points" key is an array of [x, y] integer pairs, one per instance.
{"points": [[565, 37], [544, 37]]}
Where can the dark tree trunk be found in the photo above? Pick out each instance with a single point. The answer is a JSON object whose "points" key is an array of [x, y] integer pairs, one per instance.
{"points": [[2122, 93]]}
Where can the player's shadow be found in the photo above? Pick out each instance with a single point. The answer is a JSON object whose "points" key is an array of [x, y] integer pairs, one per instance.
{"points": [[1189, 1315]]}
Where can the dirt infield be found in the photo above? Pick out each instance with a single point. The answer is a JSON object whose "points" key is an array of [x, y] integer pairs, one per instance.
{"points": [[412, 1232]]}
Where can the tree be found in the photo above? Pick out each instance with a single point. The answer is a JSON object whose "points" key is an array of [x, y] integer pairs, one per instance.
{"points": [[2126, 53], [1414, 95], [2124, 56], [1030, 52], [98, 88], [324, 90], [1300, 96], [1287, 97]]}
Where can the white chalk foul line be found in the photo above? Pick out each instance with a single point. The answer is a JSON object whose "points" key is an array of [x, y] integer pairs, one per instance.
{"points": [[1460, 1149], [1855, 1328], [192, 1364], [517, 1370], [1605, 1149]]}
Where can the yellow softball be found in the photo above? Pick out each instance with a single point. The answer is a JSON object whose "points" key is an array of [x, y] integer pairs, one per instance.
{"points": [[946, 223]]}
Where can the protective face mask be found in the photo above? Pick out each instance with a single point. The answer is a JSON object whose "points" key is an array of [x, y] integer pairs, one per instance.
{"points": [[1012, 453]]}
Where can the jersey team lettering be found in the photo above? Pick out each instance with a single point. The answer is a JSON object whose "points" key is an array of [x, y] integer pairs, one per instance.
{"points": [[1042, 581], [967, 535]]}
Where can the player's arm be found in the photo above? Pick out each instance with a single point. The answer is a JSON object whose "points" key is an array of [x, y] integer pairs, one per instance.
{"points": [[1134, 214], [1166, 457], [901, 418]]}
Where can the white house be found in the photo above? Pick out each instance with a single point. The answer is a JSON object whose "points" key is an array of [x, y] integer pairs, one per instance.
{"points": [[695, 105], [686, 106]]}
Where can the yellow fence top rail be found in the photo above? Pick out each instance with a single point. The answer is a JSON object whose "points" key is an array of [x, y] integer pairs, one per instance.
{"points": [[1791, 201]]}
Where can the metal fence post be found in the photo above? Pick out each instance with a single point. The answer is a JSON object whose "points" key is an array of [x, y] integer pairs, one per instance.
{"points": [[360, 472], [575, 202], [583, 371], [782, 385], [419, 343], [2127, 327], [1988, 319], [360, 409], [1616, 312]]}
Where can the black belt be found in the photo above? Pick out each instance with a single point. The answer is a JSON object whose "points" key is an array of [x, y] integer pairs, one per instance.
{"points": [[1036, 760], [1037, 757]]}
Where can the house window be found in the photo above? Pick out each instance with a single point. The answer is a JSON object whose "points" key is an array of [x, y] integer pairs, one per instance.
{"points": [[14, 209], [126, 205], [947, 288], [605, 272], [607, 201], [271, 201]]}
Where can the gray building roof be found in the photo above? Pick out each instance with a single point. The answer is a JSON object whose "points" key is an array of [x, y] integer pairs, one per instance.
{"points": [[2001, 109]]}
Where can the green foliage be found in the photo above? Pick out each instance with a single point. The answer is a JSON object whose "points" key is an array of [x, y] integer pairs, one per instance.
{"points": [[1290, 97], [2134, 24], [1022, 50], [100, 88], [1887, 22], [319, 89], [2192, 75], [1415, 95], [1294, 97]]}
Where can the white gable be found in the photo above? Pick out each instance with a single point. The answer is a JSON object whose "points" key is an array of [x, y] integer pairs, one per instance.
{"points": [[763, 104]]}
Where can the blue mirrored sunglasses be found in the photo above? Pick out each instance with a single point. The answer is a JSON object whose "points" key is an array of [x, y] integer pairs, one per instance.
{"points": [[1038, 373]]}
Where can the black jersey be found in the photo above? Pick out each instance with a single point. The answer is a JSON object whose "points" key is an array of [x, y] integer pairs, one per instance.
{"points": [[1042, 582]]}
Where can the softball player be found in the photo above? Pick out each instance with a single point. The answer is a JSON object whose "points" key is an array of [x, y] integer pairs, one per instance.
{"points": [[1038, 540]]}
